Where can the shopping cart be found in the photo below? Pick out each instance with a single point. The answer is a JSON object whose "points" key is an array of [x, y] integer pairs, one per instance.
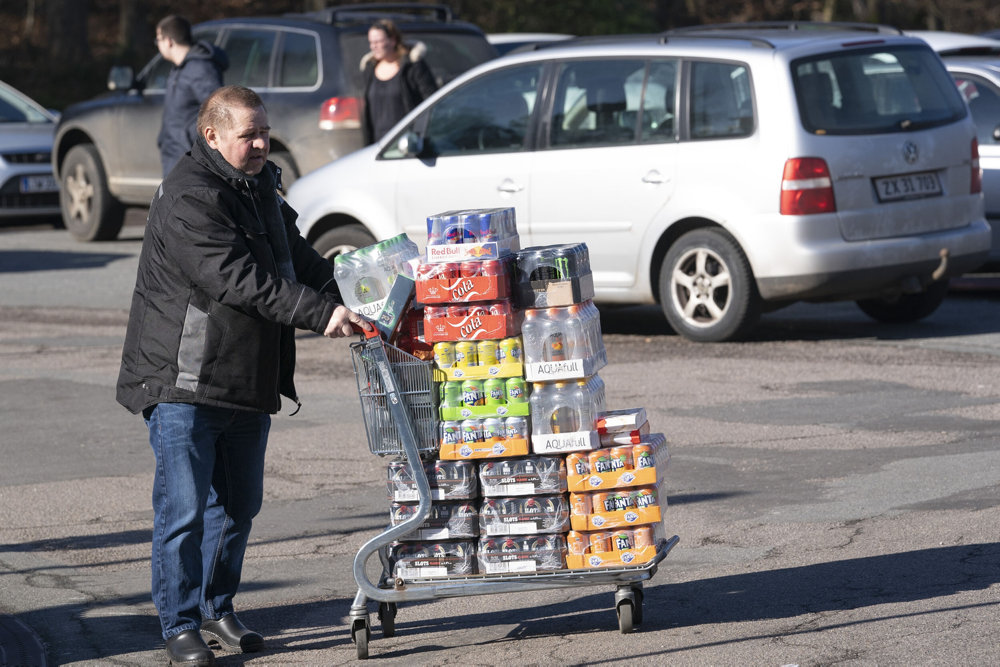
{"points": [[398, 403]]}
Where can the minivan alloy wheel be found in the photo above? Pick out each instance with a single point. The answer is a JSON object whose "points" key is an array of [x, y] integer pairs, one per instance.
{"points": [[89, 211], [706, 287]]}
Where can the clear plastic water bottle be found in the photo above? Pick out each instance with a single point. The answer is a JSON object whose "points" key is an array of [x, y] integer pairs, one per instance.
{"points": [[531, 336], [539, 405]]}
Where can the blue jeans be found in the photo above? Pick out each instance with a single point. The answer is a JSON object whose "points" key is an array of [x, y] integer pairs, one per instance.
{"points": [[207, 489]]}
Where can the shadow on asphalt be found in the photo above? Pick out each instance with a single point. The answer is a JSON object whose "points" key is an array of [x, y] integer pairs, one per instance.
{"points": [[23, 261], [775, 594], [783, 593]]}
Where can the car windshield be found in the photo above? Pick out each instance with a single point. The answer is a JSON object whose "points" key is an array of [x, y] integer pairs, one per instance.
{"points": [[16, 109], [877, 90]]}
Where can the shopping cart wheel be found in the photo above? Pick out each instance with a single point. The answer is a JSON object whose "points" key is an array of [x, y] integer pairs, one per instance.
{"points": [[626, 616], [361, 632], [387, 615], [637, 612]]}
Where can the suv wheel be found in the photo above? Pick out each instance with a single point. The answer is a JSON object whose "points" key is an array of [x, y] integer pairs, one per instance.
{"points": [[342, 239], [89, 211], [706, 287], [906, 307]]}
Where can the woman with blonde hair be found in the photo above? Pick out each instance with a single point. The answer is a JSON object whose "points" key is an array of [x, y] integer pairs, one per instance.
{"points": [[395, 79]]}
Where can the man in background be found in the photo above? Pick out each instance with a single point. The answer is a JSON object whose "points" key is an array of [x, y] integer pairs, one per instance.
{"points": [[197, 71]]}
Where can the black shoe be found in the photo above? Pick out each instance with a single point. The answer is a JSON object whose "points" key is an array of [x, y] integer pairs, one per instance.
{"points": [[229, 633], [188, 648]]}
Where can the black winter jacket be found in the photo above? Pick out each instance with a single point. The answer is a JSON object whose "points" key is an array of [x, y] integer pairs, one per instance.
{"points": [[188, 85], [211, 322], [417, 79]]}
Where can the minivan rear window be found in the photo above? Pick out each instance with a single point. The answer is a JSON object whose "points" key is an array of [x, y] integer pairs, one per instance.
{"points": [[875, 90]]}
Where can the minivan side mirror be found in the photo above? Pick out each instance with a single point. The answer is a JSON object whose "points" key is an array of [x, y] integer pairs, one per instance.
{"points": [[121, 77], [410, 144]]}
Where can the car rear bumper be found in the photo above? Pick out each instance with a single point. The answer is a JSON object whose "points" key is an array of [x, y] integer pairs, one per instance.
{"points": [[864, 269]]}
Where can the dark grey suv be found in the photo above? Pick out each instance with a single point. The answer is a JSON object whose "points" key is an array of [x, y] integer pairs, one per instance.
{"points": [[305, 67]]}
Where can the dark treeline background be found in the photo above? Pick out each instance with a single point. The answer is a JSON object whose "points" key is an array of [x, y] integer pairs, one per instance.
{"points": [[59, 51]]}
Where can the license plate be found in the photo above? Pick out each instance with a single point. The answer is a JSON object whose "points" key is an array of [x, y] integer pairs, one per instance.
{"points": [[908, 186], [38, 183]]}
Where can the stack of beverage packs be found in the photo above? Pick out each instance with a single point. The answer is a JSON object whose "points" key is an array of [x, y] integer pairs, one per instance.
{"points": [[533, 472]]}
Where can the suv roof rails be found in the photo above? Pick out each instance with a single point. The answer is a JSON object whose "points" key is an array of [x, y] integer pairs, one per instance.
{"points": [[369, 13], [791, 26]]}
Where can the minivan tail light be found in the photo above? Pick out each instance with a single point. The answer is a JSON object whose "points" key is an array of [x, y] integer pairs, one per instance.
{"points": [[976, 182], [340, 112], [806, 187]]}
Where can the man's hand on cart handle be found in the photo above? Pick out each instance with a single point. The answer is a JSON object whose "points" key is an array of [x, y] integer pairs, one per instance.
{"points": [[344, 322]]}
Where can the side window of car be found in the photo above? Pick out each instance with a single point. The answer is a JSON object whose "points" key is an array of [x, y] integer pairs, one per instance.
{"points": [[659, 113], [721, 101], [299, 66], [249, 52], [984, 103], [597, 103], [488, 115]]}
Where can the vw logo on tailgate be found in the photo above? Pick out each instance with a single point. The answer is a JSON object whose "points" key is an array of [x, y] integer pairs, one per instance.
{"points": [[910, 152]]}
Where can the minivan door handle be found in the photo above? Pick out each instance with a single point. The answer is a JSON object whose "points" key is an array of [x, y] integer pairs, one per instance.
{"points": [[654, 177], [509, 186]]}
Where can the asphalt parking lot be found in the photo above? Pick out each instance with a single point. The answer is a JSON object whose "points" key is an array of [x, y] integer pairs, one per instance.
{"points": [[834, 484]]}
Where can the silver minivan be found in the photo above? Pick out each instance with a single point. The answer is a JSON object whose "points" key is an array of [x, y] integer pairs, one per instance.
{"points": [[718, 171]]}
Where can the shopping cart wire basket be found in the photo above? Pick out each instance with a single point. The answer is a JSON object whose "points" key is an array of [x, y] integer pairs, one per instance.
{"points": [[410, 378]]}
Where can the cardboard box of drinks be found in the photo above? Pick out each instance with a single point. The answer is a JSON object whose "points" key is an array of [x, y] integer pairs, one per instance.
{"points": [[615, 508], [613, 548], [494, 448], [477, 323], [463, 282], [642, 464]]}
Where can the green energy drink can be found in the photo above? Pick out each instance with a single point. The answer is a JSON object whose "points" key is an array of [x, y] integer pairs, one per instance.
{"points": [[517, 390], [495, 390], [452, 394], [472, 393]]}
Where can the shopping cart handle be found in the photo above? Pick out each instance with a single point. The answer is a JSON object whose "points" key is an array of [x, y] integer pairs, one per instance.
{"points": [[369, 333]]}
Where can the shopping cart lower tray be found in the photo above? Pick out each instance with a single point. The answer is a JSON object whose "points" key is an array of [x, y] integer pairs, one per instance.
{"points": [[397, 399]]}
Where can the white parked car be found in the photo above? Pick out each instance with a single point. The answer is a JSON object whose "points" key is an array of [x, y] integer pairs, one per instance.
{"points": [[719, 171], [974, 62]]}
